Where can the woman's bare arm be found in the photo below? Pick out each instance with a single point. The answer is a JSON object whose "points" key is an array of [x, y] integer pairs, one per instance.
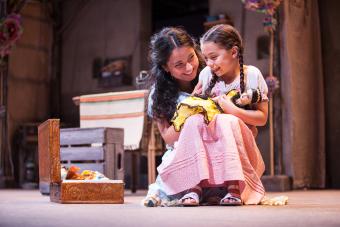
{"points": [[168, 132]]}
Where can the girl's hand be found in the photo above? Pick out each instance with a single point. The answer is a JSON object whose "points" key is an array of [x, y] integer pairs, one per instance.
{"points": [[226, 104], [197, 89], [243, 100], [256, 117]]}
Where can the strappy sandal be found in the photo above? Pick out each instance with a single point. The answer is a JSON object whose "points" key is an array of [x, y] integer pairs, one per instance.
{"points": [[193, 199], [231, 200]]}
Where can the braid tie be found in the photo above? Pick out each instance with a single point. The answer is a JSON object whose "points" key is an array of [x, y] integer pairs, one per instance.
{"points": [[242, 86]]}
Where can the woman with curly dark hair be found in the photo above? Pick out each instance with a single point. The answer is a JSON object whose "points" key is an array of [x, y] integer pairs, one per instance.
{"points": [[176, 62]]}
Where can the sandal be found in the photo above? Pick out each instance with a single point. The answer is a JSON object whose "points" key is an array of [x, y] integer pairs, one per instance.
{"points": [[231, 200], [151, 201], [193, 199]]}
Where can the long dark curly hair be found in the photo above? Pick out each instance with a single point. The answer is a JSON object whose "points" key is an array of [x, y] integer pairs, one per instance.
{"points": [[226, 36], [166, 88]]}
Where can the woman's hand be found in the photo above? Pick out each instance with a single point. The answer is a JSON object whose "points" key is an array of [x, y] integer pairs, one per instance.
{"points": [[254, 130], [198, 89]]}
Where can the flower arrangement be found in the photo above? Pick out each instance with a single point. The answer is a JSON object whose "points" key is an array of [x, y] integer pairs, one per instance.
{"points": [[10, 31], [269, 23], [273, 84], [267, 7], [262, 6]]}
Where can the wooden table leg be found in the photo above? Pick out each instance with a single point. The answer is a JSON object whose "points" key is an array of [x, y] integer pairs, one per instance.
{"points": [[151, 155], [134, 171]]}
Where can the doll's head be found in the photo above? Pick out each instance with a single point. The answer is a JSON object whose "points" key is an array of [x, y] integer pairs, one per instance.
{"points": [[245, 99]]}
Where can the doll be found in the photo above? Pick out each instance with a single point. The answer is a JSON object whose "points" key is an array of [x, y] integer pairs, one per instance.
{"points": [[206, 106]]}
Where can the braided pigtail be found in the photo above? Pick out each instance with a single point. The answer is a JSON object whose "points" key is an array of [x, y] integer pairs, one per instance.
{"points": [[207, 92], [242, 85], [211, 85]]}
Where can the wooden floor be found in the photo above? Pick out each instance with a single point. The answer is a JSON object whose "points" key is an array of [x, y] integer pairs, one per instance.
{"points": [[305, 208]]}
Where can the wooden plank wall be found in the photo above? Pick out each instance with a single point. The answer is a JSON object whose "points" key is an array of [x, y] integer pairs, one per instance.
{"points": [[29, 69], [100, 29]]}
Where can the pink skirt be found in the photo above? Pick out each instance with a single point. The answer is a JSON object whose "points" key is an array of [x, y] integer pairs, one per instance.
{"points": [[225, 150]]}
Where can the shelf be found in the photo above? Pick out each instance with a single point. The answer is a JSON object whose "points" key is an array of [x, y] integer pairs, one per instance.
{"points": [[210, 24]]}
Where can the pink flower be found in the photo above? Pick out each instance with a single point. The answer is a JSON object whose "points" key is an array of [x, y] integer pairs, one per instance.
{"points": [[262, 6], [273, 84], [10, 32]]}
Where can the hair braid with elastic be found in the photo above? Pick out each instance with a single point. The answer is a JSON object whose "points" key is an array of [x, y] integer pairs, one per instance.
{"points": [[212, 83], [242, 85]]}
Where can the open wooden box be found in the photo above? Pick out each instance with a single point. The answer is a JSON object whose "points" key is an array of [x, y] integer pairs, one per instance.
{"points": [[70, 191]]}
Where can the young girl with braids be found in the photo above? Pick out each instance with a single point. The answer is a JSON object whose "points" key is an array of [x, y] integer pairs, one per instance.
{"points": [[221, 154]]}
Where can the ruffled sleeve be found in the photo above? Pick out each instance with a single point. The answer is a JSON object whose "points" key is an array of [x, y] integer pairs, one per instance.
{"points": [[205, 77], [256, 81], [263, 87]]}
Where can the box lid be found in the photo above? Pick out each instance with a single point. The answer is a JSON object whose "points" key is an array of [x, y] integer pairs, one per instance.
{"points": [[126, 109], [49, 151], [112, 96]]}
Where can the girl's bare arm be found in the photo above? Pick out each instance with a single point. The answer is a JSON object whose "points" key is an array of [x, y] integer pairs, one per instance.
{"points": [[256, 117]]}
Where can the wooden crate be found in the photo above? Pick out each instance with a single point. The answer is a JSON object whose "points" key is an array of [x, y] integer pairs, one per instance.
{"points": [[73, 191], [97, 149]]}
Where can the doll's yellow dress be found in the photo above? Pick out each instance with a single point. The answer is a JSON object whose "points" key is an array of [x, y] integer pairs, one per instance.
{"points": [[197, 105], [194, 105]]}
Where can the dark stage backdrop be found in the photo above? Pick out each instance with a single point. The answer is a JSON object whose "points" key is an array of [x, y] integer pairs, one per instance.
{"points": [[330, 36]]}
